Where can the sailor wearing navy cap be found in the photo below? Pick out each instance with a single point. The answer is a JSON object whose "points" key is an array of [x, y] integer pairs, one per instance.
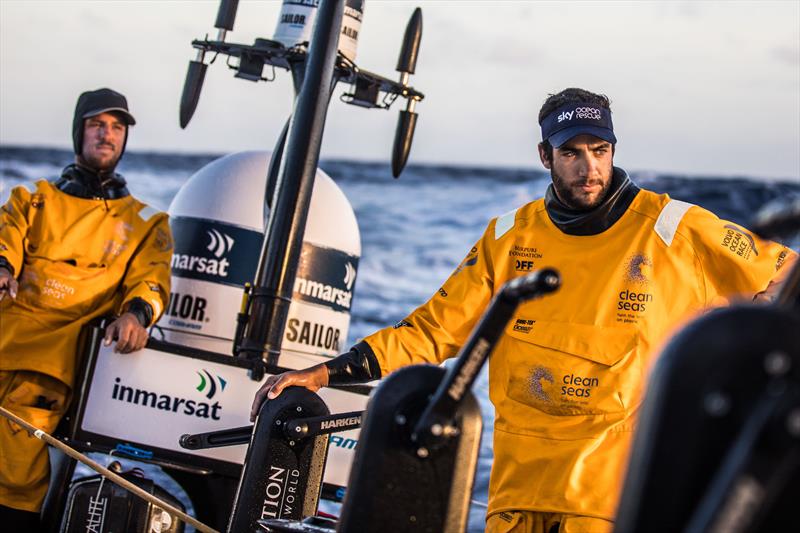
{"points": [[567, 376]]}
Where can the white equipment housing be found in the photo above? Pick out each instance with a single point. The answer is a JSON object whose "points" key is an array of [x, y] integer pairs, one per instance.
{"points": [[217, 221]]}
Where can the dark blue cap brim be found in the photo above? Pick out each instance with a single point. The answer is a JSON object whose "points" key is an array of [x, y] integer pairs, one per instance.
{"points": [[560, 137]]}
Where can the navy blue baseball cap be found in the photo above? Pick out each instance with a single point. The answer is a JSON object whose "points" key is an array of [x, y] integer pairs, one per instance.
{"points": [[577, 118]]}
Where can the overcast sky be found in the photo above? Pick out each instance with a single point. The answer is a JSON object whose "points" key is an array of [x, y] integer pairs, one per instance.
{"points": [[696, 87]]}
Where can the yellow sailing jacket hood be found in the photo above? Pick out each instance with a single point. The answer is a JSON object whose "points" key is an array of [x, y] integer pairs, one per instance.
{"points": [[75, 259], [567, 377]]}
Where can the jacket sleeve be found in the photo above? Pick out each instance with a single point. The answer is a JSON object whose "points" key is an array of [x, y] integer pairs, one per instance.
{"points": [[736, 263], [14, 227], [437, 329], [148, 273]]}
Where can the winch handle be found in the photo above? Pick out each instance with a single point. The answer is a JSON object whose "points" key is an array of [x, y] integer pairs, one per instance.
{"points": [[216, 439]]}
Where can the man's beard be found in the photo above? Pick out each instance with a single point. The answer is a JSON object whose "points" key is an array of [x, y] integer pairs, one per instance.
{"points": [[573, 199], [101, 164]]}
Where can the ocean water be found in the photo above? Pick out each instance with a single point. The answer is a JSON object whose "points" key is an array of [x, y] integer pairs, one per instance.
{"points": [[414, 230]]}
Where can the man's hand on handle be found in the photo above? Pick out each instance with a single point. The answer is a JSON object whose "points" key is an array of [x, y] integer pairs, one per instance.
{"points": [[313, 379], [7, 284], [128, 332]]}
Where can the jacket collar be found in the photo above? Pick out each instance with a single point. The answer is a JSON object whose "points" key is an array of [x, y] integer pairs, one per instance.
{"points": [[83, 182]]}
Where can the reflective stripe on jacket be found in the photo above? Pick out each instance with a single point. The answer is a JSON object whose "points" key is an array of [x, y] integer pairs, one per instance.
{"points": [[567, 377], [75, 259]]}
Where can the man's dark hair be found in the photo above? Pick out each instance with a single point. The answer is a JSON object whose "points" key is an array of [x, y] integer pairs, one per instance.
{"points": [[569, 96]]}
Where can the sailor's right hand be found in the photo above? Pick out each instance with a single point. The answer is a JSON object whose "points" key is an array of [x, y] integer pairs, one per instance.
{"points": [[313, 379], [7, 283]]}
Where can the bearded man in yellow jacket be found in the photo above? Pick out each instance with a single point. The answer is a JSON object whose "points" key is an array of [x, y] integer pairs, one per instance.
{"points": [[567, 376], [70, 251]]}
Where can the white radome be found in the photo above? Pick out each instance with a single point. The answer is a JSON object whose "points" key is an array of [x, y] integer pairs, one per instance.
{"points": [[218, 221]]}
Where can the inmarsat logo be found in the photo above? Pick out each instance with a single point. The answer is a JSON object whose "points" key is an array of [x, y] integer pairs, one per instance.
{"points": [[210, 383], [349, 276], [220, 244]]}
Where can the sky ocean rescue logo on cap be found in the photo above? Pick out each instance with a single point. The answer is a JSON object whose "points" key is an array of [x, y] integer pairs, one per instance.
{"points": [[577, 118], [589, 113]]}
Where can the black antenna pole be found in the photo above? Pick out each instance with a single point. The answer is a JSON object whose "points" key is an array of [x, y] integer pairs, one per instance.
{"points": [[283, 241]]}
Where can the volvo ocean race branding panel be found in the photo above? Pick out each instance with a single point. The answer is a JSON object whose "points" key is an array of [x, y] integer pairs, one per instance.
{"points": [[214, 251], [152, 398]]}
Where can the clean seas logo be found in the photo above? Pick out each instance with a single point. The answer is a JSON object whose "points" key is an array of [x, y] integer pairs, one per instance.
{"points": [[638, 269], [210, 383], [633, 300], [539, 375], [220, 243]]}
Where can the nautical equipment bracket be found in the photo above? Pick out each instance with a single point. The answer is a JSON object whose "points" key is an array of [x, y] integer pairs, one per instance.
{"points": [[276, 55], [366, 85]]}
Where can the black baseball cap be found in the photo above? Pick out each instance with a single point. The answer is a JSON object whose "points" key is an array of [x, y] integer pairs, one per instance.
{"points": [[575, 119], [92, 103]]}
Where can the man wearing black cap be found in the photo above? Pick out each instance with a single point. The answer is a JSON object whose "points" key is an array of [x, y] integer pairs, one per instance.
{"points": [[70, 251], [567, 376]]}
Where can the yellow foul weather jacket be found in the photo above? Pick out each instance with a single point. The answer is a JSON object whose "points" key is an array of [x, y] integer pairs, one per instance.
{"points": [[75, 259], [566, 379]]}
